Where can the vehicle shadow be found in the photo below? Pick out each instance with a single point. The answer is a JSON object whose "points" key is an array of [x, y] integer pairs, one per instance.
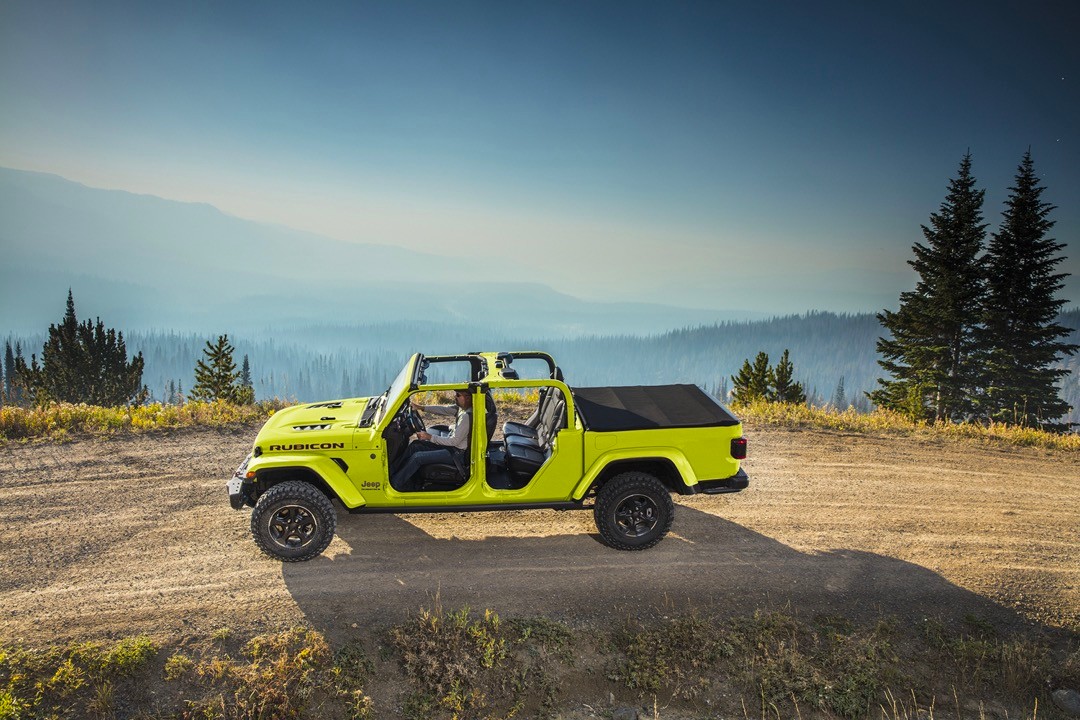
{"points": [[391, 568]]}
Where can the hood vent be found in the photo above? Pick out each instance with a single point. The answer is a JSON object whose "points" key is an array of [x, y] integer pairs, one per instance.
{"points": [[303, 428]]}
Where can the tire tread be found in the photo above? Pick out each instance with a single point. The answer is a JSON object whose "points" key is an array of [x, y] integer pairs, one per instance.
{"points": [[299, 490], [618, 485]]}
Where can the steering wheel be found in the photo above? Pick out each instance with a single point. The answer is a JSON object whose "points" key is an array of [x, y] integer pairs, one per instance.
{"points": [[413, 422]]}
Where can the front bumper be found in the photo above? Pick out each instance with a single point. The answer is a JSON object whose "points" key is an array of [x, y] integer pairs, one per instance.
{"points": [[735, 483], [238, 486], [235, 487]]}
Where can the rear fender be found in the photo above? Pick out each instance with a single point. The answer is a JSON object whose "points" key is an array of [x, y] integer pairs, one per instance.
{"points": [[628, 457], [323, 466]]}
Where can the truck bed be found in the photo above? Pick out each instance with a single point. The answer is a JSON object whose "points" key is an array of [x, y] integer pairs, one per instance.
{"points": [[644, 407]]}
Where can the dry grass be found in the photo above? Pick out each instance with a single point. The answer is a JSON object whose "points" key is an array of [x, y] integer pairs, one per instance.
{"points": [[457, 664], [58, 420], [891, 423]]}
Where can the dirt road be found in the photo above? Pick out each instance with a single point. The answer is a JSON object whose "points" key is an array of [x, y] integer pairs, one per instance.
{"points": [[108, 537]]}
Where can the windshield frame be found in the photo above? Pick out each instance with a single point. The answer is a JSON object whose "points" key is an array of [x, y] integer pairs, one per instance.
{"points": [[398, 387]]}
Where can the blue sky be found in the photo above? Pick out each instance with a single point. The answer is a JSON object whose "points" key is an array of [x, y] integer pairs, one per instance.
{"points": [[776, 158]]}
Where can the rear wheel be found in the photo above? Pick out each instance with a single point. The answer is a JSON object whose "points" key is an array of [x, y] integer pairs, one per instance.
{"points": [[633, 511], [293, 521]]}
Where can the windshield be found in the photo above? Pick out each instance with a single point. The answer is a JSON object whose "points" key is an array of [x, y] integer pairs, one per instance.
{"points": [[396, 388]]}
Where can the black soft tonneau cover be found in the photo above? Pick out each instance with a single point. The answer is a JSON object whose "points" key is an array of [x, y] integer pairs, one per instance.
{"points": [[643, 407]]}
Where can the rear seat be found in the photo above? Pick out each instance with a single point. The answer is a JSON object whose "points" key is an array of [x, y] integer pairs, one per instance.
{"points": [[538, 428], [523, 461], [524, 455], [529, 427]]}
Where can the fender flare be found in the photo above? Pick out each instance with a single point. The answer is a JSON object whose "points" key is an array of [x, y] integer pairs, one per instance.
{"points": [[321, 465], [674, 456]]}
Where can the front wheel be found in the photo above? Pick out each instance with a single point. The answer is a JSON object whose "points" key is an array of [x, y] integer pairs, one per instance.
{"points": [[633, 511], [293, 521]]}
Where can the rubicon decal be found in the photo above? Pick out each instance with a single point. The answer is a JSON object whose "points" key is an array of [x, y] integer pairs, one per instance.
{"points": [[309, 446]]}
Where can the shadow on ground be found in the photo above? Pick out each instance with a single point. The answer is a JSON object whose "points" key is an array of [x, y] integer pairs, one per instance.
{"points": [[712, 565]]}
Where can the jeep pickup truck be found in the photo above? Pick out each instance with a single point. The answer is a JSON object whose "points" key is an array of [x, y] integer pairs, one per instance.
{"points": [[619, 451]]}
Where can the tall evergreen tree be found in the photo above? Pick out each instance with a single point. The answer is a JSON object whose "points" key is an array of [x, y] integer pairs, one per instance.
{"points": [[784, 389], [839, 398], [17, 382], [82, 363], [753, 381], [245, 390], [216, 377], [932, 352], [9, 372], [1021, 335], [245, 373]]}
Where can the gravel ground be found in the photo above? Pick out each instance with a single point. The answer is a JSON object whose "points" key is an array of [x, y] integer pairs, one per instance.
{"points": [[105, 537]]}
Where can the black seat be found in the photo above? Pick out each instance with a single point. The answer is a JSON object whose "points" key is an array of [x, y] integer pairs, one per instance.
{"points": [[523, 461], [546, 431], [540, 426], [529, 427]]}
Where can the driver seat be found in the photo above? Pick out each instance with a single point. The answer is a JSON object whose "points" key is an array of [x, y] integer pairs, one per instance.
{"points": [[451, 476]]}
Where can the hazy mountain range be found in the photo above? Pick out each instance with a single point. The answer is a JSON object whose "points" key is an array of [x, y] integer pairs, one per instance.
{"points": [[323, 362], [144, 262], [320, 318]]}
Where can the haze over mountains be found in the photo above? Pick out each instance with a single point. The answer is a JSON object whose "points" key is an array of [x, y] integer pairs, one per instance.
{"points": [[322, 318], [145, 262]]}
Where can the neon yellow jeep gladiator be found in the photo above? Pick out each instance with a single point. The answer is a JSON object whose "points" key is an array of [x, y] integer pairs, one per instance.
{"points": [[620, 451]]}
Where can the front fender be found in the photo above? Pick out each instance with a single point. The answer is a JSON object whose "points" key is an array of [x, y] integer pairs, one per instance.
{"points": [[670, 454], [323, 466]]}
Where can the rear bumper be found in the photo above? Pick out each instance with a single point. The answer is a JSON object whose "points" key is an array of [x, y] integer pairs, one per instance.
{"points": [[735, 483]]}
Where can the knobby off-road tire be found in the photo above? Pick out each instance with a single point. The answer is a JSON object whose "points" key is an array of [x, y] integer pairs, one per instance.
{"points": [[293, 521], [633, 511]]}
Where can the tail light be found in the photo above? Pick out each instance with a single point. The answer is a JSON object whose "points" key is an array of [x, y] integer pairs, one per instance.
{"points": [[738, 448]]}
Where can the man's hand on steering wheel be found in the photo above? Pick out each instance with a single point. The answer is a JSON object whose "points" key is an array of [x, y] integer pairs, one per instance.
{"points": [[413, 421]]}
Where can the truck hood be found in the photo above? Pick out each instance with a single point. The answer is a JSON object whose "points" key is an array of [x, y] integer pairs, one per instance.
{"points": [[316, 417]]}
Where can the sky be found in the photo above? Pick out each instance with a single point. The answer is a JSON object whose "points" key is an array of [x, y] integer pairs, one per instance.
{"points": [[775, 157]]}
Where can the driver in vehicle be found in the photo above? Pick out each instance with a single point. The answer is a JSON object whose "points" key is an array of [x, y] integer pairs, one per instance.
{"points": [[429, 449]]}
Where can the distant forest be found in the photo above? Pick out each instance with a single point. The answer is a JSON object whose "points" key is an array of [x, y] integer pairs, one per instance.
{"points": [[326, 362]]}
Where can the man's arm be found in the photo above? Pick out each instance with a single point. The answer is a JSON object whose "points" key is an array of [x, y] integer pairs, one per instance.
{"points": [[459, 438], [448, 410]]}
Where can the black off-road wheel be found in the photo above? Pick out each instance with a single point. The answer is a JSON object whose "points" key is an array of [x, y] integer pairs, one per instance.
{"points": [[633, 511], [293, 521]]}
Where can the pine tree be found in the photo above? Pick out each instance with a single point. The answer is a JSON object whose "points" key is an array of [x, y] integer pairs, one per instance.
{"points": [[753, 381], [784, 390], [245, 373], [215, 379], [932, 353], [245, 393], [839, 398], [82, 363], [9, 372], [1021, 334], [17, 381]]}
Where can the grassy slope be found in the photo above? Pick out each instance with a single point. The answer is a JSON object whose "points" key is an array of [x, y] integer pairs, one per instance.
{"points": [[462, 664]]}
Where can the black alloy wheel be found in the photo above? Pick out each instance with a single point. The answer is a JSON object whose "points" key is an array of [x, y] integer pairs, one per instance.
{"points": [[633, 511], [293, 527], [293, 521], [636, 516]]}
